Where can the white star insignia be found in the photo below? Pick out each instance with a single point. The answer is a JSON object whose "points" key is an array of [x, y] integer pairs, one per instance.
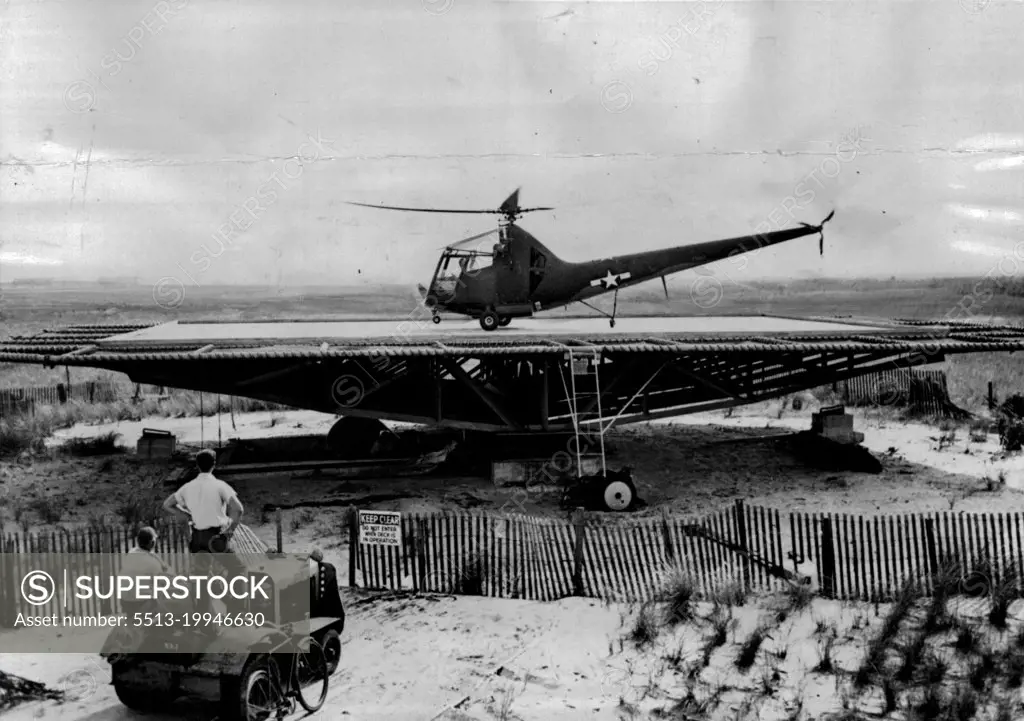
{"points": [[611, 279]]}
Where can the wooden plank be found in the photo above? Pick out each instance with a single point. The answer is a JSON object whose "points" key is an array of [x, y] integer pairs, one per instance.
{"points": [[858, 562], [543, 546], [556, 565], [864, 559], [723, 557], [620, 555], [431, 579], [477, 554], [780, 555], [564, 553], [529, 576], [623, 561], [495, 571], [565, 532], [549, 563], [593, 566], [902, 557], [651, 558], [694, 550], [586, 577], [765, 545], [537, 585], [768, 543], [645, 561], [968, 530], [661, 552], [981, 520], [976, 544], [960, 542], [945, 547], [748, 540], [842, 555], [796, 539], [827, 586], [408, 538], [631, 559], [394, 556], [717, 559], [1019, 559], [869, 558], [742, 539], [916, 559], [880, 560]]}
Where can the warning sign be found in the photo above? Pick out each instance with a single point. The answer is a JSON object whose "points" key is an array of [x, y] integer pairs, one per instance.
{"points": [[380, 528]]}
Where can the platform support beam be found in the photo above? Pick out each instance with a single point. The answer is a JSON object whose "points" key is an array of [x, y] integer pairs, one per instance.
{"points": [[492, 403]]}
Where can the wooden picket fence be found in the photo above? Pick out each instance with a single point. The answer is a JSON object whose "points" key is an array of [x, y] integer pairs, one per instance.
{"points": [[544, 559], [923, 391], [25, 399], [618, 558], [93, 550], [868, 559]]}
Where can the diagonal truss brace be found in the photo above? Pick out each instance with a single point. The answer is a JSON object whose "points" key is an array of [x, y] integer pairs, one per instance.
{"points": [[460, 374]]}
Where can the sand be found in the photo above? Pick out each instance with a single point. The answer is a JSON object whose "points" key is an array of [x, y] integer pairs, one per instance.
{"points": [[413, 658]]}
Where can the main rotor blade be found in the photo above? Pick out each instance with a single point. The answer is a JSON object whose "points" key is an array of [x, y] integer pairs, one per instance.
{"points": [[498, 211], [458, 243], [423, 210]]}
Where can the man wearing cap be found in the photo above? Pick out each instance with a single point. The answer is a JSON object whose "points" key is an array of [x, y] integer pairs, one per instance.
{"points": [[212, 508]]}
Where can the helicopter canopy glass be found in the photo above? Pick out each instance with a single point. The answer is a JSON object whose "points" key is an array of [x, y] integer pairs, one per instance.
{"points": [[456, 267]]}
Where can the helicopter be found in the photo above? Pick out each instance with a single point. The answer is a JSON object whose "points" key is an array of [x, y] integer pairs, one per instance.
{"points": [[519, 276]]}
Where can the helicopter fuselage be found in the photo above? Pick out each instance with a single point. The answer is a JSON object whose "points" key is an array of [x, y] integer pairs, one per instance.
{"points": [[519, 276]]}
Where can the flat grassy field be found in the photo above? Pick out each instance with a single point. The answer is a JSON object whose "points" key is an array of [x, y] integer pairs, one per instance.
{"points": [[26, 309]]}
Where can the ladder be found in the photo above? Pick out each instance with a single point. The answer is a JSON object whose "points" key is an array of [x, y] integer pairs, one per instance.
{"points": [[587, 369]]}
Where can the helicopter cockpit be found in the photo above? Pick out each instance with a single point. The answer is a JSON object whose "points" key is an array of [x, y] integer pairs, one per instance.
{"points": [[456, 267]]}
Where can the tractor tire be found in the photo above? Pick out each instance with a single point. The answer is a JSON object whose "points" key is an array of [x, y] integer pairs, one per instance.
{"points": [[258, 685], [490, 321], [616, 495], [352, 437], [505, 320], [331, 643], [143, 699]]}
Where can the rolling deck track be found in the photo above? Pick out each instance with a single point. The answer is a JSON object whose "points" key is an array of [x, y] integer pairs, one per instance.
{"points": [[536, 375]]}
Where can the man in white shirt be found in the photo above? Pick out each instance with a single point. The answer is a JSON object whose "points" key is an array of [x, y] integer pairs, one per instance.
{"points": [[212, 508], [141, 561]]}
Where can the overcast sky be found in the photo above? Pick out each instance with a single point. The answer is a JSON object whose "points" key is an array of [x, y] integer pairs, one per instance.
{"points": [[131, 132]]}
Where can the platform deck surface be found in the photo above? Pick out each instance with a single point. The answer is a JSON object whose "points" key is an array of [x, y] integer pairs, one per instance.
{"points": [[423, 330]]}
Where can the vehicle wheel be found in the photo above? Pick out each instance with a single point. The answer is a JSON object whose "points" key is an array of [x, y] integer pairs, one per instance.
{"points": [[617, 495], [612, 323], [142, 698], [489, 320], [505, 320], [436, 319], [257, 694], [352, 437], [311, 676], [332, 650]]}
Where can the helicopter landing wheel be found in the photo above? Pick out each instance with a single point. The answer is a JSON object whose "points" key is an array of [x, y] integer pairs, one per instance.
{"points": [[489, 320], [612, 322], [436, 319], [505, 320]]}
